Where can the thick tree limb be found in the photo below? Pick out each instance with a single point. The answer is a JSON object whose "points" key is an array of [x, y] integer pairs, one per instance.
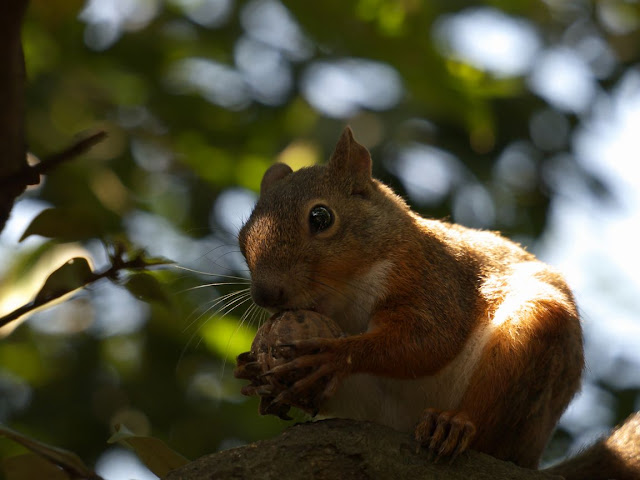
{"points": [[15, 172], [344, 449]]}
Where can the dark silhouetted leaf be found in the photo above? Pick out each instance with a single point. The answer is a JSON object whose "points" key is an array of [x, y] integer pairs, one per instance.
{"points": [[64, 458], [71, 224], [146, 287], [30, 466], [74, 274], [153, 452]]}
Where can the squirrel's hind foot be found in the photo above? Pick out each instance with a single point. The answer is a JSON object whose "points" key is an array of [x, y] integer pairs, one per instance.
{"points": [[444, 434]]}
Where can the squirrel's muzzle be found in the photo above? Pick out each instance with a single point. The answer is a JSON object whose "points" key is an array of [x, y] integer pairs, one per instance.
{"points": [[269, 295]]}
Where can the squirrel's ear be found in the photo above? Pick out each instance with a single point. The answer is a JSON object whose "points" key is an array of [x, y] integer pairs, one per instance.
{"points": [[353, 160], [274, 173]]}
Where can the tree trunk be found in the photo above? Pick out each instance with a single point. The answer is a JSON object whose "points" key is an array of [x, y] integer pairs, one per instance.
{"points": [[12, 85]]}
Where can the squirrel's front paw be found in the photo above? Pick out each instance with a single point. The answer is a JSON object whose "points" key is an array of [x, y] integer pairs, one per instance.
{"points": [[278, 368], [444, 434], [318, 366]]}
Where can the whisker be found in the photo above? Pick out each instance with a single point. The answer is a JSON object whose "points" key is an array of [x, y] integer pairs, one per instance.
{"points": [[241, 297], [263, 316], [215, 262], [259, 316], [246, 299], [215, 284], [243, 319], [250, 313], [209, 274], [223, 245], [236, 302], [215, 302]]}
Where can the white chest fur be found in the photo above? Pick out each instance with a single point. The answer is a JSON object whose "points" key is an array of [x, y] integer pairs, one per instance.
{"points": [[395, 402], [399, 403], [353, 316]]}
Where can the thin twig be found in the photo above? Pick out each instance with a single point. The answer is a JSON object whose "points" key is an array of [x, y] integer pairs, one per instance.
{"points": [[52, 161], [31, 175], [111, 273]]}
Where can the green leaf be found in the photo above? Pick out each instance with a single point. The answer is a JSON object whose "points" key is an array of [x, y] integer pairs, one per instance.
{"points": [[71, 224], [30, 466], [153, 452], [63, 458], [74, 274], [147, 288]]}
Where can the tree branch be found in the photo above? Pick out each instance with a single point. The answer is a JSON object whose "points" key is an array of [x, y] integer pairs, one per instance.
{"points": [[12, 80], [347, 449], [30, 175], [15, 172], [78, 148], [118, 264]]}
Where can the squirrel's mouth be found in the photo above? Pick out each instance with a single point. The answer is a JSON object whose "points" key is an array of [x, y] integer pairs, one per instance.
{"points": [[313, 308]]}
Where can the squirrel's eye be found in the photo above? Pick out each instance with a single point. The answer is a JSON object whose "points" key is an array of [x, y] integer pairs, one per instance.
{"points": [[320, 218]]}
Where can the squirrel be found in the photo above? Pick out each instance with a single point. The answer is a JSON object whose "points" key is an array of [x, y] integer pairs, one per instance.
{"points": [[458, 335]]}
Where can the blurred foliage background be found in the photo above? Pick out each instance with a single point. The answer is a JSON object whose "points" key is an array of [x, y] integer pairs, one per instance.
{"points": [[469, 109]]}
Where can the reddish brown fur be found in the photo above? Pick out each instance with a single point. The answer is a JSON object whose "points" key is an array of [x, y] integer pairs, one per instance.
{"points": [[445, 286], [521, 389]]}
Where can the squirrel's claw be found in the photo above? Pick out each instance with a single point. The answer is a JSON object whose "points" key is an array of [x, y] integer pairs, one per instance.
{"points": [[444, 434], [317, 377], [299, 363], [308, 382], [245, 357], [303, 373], [248, 371], [300, 348], [268, 406], [257, 390]]}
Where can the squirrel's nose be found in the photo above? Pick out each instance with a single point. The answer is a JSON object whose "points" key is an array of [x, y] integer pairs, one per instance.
{"points": [[268, 295]]}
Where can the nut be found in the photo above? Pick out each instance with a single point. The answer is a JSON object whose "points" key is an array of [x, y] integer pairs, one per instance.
{"points": [[281, 329]]}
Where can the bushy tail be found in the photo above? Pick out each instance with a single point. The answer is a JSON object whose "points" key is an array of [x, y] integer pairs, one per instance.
{"points": [[616, 457]]}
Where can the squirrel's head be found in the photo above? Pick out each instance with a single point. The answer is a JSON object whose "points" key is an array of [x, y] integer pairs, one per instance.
{"points": [[314, 231]]}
